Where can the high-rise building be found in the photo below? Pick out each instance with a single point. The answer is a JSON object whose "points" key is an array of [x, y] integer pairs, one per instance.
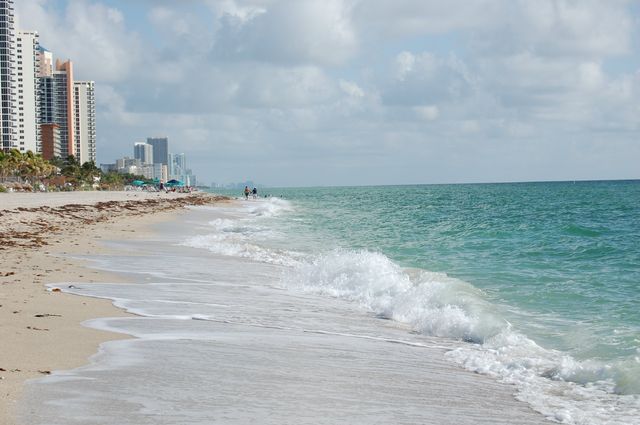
{"points": [[84, 118], [28, 101], [144, 152], [47, 102], [63, 98], [35, 92], [161, 172], [180, 163], [160, 149], [50, 141], [7, 75], [45, 58], [46, 91]]}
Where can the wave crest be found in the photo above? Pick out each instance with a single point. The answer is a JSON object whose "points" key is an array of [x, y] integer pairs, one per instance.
{"points": [[432, 303]]}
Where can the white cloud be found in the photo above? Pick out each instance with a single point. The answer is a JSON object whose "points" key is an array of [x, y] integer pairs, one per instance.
{"points": [[405, 61], [351, 89], [315, 32], [90, 33], [427, 112], [329, 83]]}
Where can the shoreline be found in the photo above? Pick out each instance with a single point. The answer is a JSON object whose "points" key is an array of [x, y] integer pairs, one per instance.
{"points": [[39, 235], [255, 351]]}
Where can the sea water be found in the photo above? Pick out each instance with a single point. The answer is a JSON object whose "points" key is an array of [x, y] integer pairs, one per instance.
{"points": [[536, 285]]}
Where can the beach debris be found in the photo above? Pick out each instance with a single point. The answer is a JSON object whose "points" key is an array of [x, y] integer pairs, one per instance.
{"points": [[72, 286], [3, 369], [33, 328], [9, 274], [45, 372], [43, 222], [48, 315], [56, 290]]}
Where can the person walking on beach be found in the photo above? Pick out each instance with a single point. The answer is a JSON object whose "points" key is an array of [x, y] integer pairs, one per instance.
{"points": [[246, 192], [255, 193]]}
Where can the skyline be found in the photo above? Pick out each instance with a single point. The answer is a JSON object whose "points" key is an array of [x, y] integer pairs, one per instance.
{"points": [[313, 93]]}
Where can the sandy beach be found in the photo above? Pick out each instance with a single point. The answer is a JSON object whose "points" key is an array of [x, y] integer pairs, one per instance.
{"points": [[213, 338], [41, 330]]}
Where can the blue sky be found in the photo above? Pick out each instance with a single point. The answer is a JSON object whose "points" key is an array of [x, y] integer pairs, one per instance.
{"points": [[353, 92]]}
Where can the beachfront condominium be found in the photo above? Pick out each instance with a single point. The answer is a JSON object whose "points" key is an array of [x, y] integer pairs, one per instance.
{"points": [[180, 163], [63, 109], [50, 134], [160, 149], [144, 152], [28, 107], [7, 76], [84, 118], [46, 92]]}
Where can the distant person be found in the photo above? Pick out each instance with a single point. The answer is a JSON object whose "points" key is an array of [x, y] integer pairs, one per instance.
{"points": [[255, 193], [246, 192]]}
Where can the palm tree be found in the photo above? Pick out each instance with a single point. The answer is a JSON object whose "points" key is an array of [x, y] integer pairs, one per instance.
{"points": [[88, 171], [4, 165], [14, 161]]}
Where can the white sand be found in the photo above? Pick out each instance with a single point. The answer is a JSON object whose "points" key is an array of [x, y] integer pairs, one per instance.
{"points": [[34, 250], [267, 356]]}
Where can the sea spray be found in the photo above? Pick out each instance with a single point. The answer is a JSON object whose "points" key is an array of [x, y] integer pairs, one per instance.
{"points": [[507, 273], [435, 304], [432, 303]]}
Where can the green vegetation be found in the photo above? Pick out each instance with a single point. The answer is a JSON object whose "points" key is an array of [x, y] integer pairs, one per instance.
{"points": [[27, 167], [28, 171]]}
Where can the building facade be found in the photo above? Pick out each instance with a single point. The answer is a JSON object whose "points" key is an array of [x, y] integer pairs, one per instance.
{"points": [[28, 100], [34, 91], [84, 118], [50, 141], [46, 90], [7, 75], [144, 152], [63, 98], [45, 58], [160, 150]]}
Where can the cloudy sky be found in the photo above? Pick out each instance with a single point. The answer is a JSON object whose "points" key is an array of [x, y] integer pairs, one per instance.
{"points": [[358, 92]]}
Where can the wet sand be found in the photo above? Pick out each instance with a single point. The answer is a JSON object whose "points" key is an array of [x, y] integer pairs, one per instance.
{"points": [[39, 233]]}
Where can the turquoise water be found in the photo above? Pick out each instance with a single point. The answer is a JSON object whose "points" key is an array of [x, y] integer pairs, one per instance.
{"points": [[534, 285], [559, 261], [562, 258]]}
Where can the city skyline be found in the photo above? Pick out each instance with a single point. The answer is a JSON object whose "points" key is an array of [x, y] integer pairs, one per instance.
{"points": [[44, 110], [353, 92], [153, 160]]}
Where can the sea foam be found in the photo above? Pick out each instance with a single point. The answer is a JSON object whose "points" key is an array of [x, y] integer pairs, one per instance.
{"points": [[554, 383]]}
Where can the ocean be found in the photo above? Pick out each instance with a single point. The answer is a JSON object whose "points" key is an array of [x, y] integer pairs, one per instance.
{"points": [[351, 303]]}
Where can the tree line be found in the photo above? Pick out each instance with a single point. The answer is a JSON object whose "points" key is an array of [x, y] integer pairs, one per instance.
{"points": [[57, 174]]}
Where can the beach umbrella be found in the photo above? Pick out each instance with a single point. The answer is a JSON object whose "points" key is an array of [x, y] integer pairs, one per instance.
{"points": [[174, 182], [138, 183]]}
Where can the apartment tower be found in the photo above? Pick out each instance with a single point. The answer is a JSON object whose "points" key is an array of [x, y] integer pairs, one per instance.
{"points": [[28, 101], [144, 152], [7, 75], [63, 95], [84, 118], [50, 141], [160, 149]]}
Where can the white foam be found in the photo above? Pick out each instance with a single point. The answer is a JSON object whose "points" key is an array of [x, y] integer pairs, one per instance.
{"points": [[267, 207], [431, 303], [552, 382], [241, 236], [562, 388]]}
